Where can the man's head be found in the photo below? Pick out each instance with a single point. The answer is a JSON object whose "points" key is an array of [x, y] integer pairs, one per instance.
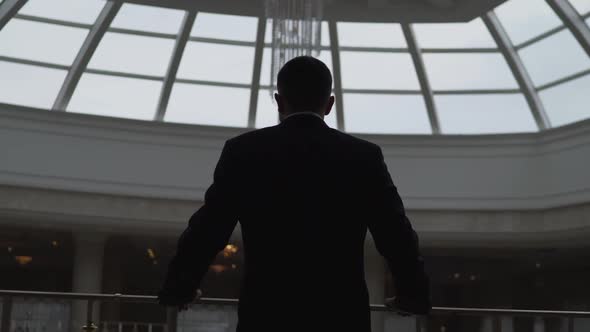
{"points": [[304, 84]]}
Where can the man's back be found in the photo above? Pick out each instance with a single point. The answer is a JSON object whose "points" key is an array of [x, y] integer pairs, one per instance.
{"points": [[304, 195]]}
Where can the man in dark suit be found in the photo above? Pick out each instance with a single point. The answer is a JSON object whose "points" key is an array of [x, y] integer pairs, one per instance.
{"points": [[305, 195]]}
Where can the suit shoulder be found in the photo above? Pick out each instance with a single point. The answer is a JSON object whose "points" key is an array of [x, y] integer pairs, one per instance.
{"points": [[251, 136], [356, 142]]}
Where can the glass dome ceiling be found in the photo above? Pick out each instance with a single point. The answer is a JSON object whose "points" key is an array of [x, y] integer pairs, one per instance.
{"points": [[523, 67]]}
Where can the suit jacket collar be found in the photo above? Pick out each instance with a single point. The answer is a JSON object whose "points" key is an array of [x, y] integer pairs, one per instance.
{"points": [[304, 120]]}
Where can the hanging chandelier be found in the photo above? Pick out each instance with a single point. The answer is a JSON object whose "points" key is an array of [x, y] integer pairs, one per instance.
{"points": [[296, 31]]}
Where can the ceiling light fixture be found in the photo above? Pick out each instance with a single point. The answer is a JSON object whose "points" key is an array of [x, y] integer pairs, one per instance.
{"points": [[296, 30]]}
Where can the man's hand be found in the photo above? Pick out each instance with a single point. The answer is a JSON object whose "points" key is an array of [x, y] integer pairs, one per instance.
{"points": [[407, 306], [183, 302]]}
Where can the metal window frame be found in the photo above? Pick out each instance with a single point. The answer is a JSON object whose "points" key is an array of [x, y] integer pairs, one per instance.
{"points": [[104, 19], [573, 21], [518, 69], [8, 9], [420, 69], [179, 46], [337, 74], [255, 86]]}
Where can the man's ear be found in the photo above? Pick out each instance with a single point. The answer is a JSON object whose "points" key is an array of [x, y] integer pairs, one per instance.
{"points": [[329, 105], [280, 104]]}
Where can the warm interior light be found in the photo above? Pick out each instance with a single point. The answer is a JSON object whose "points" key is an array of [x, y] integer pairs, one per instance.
{"points": [[456, 275], [23, 260], [217, 268], [9, 249], [230, 250], [54, 243], [151, 253]]}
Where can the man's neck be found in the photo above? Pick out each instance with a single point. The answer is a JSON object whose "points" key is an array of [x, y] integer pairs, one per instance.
{"points": [[304, 113]]}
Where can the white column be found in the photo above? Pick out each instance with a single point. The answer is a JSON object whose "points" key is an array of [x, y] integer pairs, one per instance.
{"points": [[375, 277], [87, 274]]}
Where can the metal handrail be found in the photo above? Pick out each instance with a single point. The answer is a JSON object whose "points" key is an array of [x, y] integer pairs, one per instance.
{"points": [[224, 301]]}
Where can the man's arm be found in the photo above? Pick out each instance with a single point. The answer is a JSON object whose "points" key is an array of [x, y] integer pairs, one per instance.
{"points": [[208, 232], [397, 241]]}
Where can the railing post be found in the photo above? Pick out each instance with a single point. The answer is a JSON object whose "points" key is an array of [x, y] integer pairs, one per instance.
{"points": [[6, 314], [89, 326], [172, 319], [539, 324], [496, 324]]}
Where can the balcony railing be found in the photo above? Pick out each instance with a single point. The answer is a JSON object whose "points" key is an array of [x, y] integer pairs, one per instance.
{"points": [[30, 311]]}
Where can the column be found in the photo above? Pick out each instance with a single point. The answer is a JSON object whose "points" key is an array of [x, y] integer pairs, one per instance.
{"points": [[539, 324], [375, 276], [87, 274], [507, 323]]}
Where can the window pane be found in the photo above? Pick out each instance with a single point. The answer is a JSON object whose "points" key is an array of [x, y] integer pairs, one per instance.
{"points": [[554, 57], [230, 27], [468, 71], [582, 6], [568, 102], [325, 40], [133, 54], [116, 96], [454, 35], [385, 114], [148, 18], [484, 114], [375, 70], [215, 62], [525, 19], [371, 34], [66, 10], [325, 56], [266, 112], [29, 85], [208, 105], [40, 41]]}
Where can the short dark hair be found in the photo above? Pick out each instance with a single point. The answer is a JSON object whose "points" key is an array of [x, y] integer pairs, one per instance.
{"points": [[305, 83]]}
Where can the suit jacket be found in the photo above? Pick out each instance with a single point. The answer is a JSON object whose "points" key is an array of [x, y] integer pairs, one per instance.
{"points": [[305, 195]]}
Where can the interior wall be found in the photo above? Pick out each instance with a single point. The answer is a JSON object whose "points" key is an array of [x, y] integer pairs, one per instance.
{"points": [[84, 153]]}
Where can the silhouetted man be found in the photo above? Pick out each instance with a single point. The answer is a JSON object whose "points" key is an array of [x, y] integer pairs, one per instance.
{"points": [[304, 195]]}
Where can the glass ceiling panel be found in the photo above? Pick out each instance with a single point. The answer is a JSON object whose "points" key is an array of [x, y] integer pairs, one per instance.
{"points": [[148, 18], [216, 62], [386, 114], [582, 6], [41, 41], [454, 35], [29, 85], [325, 33], [208, 105], [266, 111], [116, 96], [371, 35], [377, 70], [568, 102], [65, 10], [132, 54], [525, 19], [468, 71], [325, 56], [484, 114], [230, 27], [554, 57]]}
